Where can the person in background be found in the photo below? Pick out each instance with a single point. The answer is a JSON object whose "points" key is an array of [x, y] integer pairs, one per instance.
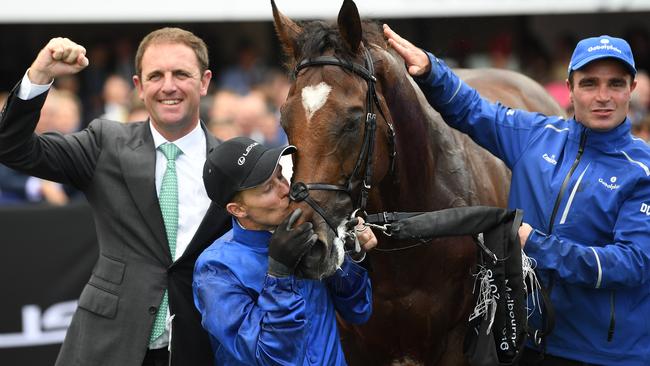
{"points": [[255, 120], [641, 129], [246, 73], [640, 98], [137, 110], [223, 111], [116, 96]]}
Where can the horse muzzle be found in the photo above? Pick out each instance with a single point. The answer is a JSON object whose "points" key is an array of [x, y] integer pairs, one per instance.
{"points": [[327, 254]]}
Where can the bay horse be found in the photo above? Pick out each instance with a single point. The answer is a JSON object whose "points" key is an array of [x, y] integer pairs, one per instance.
{"points": [[367, 139]]}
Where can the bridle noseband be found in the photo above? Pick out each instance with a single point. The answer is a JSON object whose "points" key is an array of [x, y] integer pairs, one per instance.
{"points": [[299, 190]]}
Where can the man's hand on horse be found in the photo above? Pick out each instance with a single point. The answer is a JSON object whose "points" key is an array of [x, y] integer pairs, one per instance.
{"points": [[417, 62], [60, 56], [524, 232], [365, 236]]}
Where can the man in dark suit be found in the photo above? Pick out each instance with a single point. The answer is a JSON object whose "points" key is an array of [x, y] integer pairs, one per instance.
{"points": [[144, 182]]}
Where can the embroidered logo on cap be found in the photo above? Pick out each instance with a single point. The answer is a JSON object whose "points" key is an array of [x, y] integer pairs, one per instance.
{"points": [[242, 158], [604, 46]]}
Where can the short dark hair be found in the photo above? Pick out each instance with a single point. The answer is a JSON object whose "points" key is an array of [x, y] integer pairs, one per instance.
{"points": [[173, 35]]}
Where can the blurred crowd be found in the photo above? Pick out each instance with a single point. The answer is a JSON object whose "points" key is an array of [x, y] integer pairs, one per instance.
{"points": [[245, 97]]}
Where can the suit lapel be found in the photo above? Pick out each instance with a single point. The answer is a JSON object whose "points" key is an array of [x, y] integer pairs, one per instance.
{"points": [[138, 160]]}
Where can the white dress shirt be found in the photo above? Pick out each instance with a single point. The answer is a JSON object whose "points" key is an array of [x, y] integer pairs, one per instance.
{"points": [[193, 201]]}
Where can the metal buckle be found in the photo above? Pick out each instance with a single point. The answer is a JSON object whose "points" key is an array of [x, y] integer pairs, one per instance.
{"points": [[354, 213], [537, 338], [298, 192], [386, 229]]}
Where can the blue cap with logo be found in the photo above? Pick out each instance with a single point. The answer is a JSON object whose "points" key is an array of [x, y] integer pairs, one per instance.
{"points": [[594, 48]]}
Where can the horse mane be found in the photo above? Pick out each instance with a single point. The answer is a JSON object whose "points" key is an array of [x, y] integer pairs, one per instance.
{"points": [[319, 36]]}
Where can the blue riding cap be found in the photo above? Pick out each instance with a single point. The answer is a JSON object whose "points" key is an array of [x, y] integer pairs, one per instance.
{"points": [[595, 48]]}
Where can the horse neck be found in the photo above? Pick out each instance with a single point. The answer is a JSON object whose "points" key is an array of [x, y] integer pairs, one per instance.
{"points": [[420, 135], [423, 143]]}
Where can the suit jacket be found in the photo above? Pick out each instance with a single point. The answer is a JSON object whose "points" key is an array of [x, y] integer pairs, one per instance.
{"points": [[113, 165]]}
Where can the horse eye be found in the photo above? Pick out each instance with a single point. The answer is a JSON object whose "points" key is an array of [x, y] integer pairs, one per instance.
{"points": [[352, 124]]}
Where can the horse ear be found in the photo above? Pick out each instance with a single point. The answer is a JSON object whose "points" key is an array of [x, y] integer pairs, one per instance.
{"points": [[287, 30], [350, 25]]}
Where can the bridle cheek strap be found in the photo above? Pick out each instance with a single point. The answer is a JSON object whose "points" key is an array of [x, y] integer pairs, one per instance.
{"points": [[300, 192]]}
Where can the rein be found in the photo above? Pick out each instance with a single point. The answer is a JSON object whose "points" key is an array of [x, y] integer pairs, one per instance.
{"points": [[383, 221], [299, 190]]}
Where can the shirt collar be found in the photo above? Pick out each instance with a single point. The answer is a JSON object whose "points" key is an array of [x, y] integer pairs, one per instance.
{"points": [[253, 238], [610, 140], [191, 144]]}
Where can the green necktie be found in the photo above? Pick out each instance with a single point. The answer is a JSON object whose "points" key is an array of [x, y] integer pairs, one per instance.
{"points": [[169, 208]]}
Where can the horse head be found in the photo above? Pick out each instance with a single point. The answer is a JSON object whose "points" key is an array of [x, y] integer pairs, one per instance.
{"points": [[368, 138], [337, 118]]}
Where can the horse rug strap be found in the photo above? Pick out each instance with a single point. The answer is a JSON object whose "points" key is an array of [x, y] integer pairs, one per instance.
{"points": [[498, 325]]}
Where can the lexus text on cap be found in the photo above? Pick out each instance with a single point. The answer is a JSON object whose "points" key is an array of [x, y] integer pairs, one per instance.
{"points": [[237, 164], [594, 48]]}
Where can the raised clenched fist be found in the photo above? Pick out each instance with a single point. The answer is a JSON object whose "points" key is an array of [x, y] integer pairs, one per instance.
{"points": [[60, 56]]}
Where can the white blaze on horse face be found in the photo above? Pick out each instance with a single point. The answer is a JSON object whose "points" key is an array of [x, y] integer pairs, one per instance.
{"points": [[314, 97]]}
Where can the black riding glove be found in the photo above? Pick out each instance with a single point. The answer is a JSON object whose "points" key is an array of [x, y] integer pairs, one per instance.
{"points": [[287, 246]]}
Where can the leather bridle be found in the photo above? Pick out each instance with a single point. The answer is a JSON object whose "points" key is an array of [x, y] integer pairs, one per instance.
{"points": [[299, 190]]}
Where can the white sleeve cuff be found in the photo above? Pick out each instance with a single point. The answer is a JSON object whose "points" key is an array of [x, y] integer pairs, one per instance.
{"points": [[33, 189], [29, 91]]}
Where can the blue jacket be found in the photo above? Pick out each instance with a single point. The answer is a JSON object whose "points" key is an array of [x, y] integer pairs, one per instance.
{"points": [[256, 319], [598, 251]]}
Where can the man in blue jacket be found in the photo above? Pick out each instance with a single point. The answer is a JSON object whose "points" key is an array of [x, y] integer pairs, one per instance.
{"points": [[253, 307], [584, 185]]}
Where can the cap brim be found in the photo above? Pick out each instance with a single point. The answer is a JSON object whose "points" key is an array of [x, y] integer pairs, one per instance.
{"points": [[587, 60], [265, 166]]}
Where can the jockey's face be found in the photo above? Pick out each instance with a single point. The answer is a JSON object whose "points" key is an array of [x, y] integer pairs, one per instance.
{"points": [[265, 206], [600, 93]]}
